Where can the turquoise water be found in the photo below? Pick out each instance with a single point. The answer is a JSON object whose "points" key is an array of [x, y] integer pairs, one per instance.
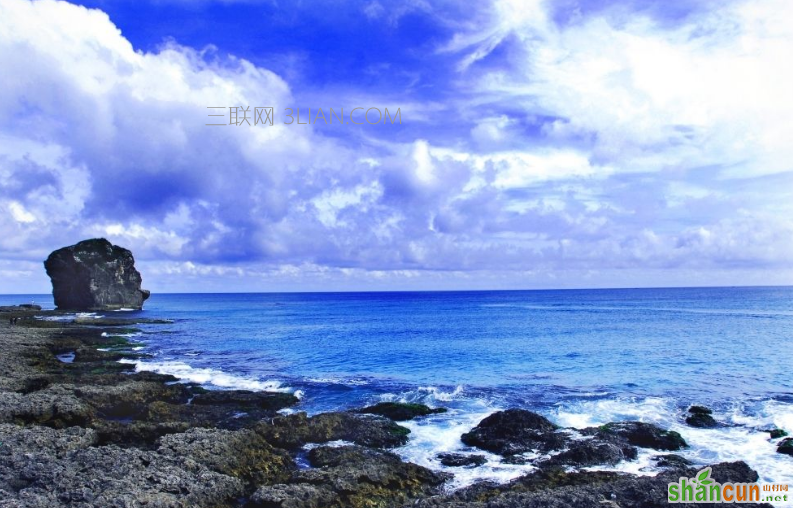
{"points": [[581, 357]]}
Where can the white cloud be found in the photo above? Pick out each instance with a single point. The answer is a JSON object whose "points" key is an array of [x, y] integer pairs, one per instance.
{"points": [[604, 145], [713, 90]]}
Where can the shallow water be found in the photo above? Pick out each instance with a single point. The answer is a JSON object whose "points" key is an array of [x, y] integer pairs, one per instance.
{"points": [[582, 358]]}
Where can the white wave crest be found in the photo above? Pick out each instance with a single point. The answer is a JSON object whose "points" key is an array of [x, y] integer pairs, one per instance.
{"points": [[210, 377]]}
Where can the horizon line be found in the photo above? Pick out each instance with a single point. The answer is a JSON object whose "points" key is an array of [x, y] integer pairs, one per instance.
{"points": [[443, 290]]}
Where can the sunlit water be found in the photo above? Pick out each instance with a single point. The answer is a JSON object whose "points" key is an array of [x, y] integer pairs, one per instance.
{"points": [[580, 357]]}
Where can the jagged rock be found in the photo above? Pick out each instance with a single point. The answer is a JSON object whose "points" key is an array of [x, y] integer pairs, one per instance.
{"points": [[515, 431], [37, 439], [22, 307], [700, 416], [95, 275], [356, 476], [137, 434], [603, 448], [295, 430], [557, 488], [461, 460], [241, 454], [301, 495], [246, 398], [645, 435], [399, 411], [111, 476], [777, 433], [45, 407], [786, 446], [671, 461]]}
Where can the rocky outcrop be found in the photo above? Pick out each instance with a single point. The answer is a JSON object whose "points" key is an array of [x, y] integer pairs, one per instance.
{"points": [[700, 416], [461, 460], [94, 476], [95, 275], [246, 399], [786, 446], [400, 411], [242, 454], [645, 435], [293, 431], [515, 431], [351, 476], [557, 488]]}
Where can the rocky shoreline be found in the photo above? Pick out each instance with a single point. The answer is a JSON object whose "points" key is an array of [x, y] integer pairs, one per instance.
{"points": [[80, 429]]}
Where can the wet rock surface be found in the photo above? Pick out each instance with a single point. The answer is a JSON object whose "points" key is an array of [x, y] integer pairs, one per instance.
{"points": [[246, 398], [351, 476], [700, 416], [515, 431], [461, 460], [785, 446], [295, 430], [557, 488], [399, 411], [645, 435], [95, 275]]}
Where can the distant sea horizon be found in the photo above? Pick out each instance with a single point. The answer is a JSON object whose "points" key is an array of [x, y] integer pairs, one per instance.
{"points": [[470, 290]]}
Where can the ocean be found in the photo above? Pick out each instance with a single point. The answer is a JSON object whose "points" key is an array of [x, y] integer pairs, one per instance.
{"points": [[579, 357]]}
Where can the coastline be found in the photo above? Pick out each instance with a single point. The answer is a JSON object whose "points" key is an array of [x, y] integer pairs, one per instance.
{"points": [[89, 431]]}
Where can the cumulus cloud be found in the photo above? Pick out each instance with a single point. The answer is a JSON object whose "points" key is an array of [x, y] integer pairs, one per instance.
{"points": [[607, 147]]}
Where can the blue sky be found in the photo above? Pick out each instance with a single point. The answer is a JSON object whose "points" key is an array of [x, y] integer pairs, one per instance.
{"points": [[543, 144]]}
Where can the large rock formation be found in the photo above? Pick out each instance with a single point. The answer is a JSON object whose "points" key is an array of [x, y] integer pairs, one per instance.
{"points": [[95, 275]]}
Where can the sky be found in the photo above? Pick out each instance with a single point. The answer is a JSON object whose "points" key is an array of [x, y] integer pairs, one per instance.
{"points": [[542, 144]]}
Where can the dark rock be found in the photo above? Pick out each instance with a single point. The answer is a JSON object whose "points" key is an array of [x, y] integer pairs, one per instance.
{"points": [[245, 398], [300, 495], [700, 417], [645, 435], [95, 275], [97, 476], [557, 488], [701, 421], [295, 430], [735, 472], [777, 433], [399, 411], [515, 431], [21, 307], [222, 416], [128, 398], [36, 439], [671, 461], [461, 460], [135, 433], [367, 477], [786, 446], [45, 407], [351, 476], [241, 454], [604, 448]]}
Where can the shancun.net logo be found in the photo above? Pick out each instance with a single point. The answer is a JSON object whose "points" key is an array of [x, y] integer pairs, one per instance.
{"points": [[703, 489]]}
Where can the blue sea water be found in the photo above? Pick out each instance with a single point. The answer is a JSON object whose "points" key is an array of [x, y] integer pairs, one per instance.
{"points": [[581, 357]]}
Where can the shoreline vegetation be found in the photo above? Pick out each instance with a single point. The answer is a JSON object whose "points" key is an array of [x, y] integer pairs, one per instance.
{"points": [[80, 428]]}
